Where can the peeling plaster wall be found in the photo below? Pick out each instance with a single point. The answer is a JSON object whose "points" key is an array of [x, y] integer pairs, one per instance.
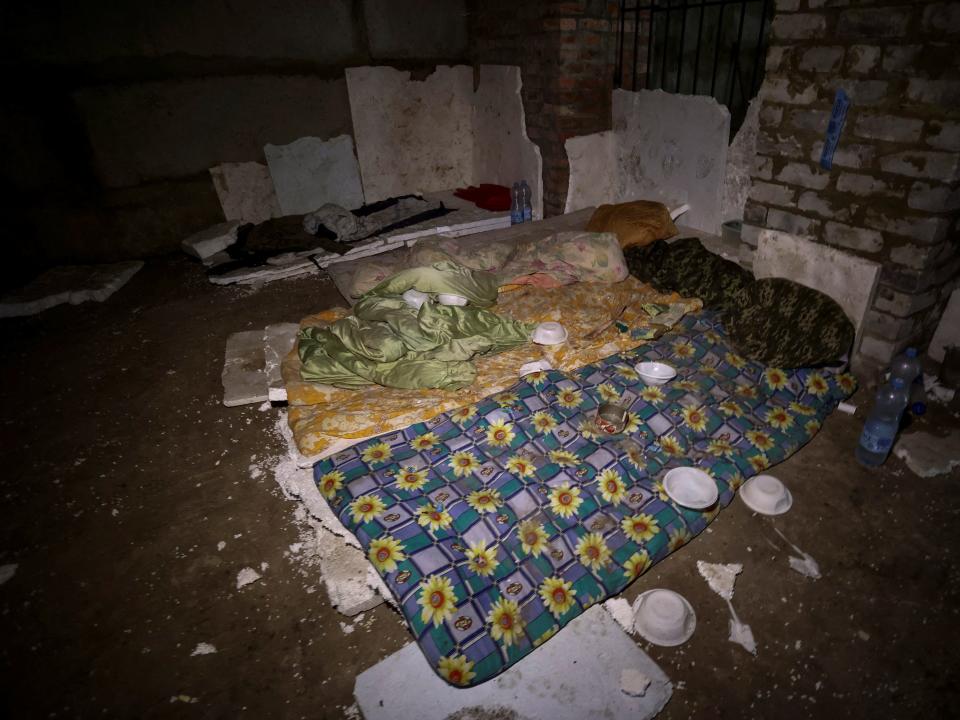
{"points": [[438, 133]]}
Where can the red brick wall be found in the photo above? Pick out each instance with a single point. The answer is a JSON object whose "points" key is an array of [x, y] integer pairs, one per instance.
{"points": [[566, 52]]}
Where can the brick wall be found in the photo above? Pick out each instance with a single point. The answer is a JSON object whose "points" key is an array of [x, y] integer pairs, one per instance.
{"points": [[892, 194], [566, 54]]}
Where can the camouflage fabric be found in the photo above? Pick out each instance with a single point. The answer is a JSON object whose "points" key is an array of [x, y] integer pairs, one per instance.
{"points": [[773, 321], [786, 325], [687, 267]]}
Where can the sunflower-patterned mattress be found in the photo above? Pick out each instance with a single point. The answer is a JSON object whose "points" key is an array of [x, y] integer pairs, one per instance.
{"points": [[496, 524]]}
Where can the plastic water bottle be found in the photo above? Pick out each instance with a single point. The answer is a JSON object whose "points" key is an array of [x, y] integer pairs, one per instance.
{"points": [[525, 201], [882, 424], [907, 367], [516, 206]]}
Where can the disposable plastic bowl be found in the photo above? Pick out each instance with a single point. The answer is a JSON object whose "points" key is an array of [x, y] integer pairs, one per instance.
{"points": [[415, 298], [766, 495], [655, 373], [691, 487], [664, 617], [549, 333]]}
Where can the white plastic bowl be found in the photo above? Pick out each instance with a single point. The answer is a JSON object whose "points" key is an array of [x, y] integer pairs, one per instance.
{"points": [[415, 298], [691, 487], [664, 617], [655, 373], [451, 299], [549, 333], [766, 495]]}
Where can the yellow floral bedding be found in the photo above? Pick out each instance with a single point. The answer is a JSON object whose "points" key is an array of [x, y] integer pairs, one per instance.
{"points": [[324, 419]]}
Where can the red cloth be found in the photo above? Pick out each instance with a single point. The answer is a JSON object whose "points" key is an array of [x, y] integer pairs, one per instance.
{"points": [[495, 198]]}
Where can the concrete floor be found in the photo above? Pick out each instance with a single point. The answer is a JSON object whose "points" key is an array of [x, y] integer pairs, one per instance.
{"points": [[124, 472]]}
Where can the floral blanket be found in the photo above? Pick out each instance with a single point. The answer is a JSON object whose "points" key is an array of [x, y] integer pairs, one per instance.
{"points": [[496, 524]]}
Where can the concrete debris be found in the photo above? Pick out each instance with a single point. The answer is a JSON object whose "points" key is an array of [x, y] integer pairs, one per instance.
{"points": [[720, 577], [633, 682], [246, 576], [928, 455], [203, 649], [207, 243], [803, 563], [568, 677], [311, 172], [246, 191], [350, 580], [621, 611], [740, 632], [7, 572], [244, 377], [278, 341], [72, 284]]}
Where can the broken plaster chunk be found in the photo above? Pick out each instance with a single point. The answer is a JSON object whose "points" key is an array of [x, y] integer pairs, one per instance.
{"points": [[207, 243], [7, 572], [720, 577], [203, 649], [246, 576], [243, 378], [621, 611], [741, 634], [633, 682], [805, 565], [928, 455], [72, 284]]}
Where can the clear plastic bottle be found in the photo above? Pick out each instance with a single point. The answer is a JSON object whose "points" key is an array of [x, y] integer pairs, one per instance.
{"points": [[907, 367], [883, 422], [516, 206], [525, 201]]}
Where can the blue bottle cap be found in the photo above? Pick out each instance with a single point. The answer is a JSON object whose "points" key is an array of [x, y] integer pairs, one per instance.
{"points": [[911, 352]]}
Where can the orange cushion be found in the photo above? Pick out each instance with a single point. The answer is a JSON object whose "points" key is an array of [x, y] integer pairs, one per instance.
{"points": [[640, 222]]}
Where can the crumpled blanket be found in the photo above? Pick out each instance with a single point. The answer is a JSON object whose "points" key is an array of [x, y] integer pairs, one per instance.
{"points": [[324, 418], [386, 342]]}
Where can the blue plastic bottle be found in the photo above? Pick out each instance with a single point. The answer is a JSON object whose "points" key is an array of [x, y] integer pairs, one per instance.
{"points": [[907, 366], [880, 429], [516, 205], [525, 205]]}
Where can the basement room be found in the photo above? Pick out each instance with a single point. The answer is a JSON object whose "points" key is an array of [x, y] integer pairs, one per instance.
{"points": [[463, 360]]}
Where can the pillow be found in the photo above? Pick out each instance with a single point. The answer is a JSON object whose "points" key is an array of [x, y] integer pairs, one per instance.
{"points": [[784, 324], [687, 267], [635, 223]]}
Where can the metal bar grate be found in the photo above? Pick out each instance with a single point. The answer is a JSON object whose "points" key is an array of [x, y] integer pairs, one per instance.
{"points": [[729, 39]]}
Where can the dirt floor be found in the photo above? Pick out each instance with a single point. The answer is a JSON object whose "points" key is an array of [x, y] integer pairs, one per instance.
{"points": [[124, 472]]}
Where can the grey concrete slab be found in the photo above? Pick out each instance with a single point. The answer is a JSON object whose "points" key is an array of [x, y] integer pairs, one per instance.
{"points": [[72, 284], [593, 176], [278, 340], [412, 135], [311, 172], [246, 192], [574, 675], [244, 377], [927, 455], [207, 243], [673, 148]]}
